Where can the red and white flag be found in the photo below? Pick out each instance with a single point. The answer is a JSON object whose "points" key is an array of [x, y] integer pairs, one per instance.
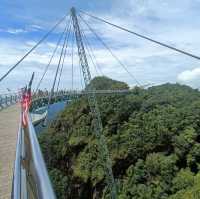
{"points": [[25, 103]]}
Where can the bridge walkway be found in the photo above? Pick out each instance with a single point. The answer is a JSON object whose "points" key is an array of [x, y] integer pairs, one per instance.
{"points": [[9, 122]]}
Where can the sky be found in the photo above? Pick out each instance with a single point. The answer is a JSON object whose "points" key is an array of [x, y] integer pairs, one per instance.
{"points": [[177, 22]]}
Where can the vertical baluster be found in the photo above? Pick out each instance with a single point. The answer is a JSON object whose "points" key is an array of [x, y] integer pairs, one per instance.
{"points": [[6, 101], [1, 104]]}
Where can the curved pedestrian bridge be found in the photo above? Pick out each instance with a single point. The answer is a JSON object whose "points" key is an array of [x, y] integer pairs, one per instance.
{"points": [[19, 148]]}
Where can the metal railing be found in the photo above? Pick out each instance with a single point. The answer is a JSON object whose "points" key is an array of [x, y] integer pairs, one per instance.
{"points": [[42, 95], [30, 176], [12, 98], [8, 99], [16, 186]]}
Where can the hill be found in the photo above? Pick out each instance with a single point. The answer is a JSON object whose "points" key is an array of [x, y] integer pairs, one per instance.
{"points": [[153, 137], [105, 83]]}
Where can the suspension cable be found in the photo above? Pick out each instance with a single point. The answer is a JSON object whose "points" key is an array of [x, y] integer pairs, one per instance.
{"points": [[110, 51], [59, 63], [64, 56], [55, 77], [143, 37], [81, 75], [91, 53], [33, 48], [72, 56], [54, 52], [87, 50]]}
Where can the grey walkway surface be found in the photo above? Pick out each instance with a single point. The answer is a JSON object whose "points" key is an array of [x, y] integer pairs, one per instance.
{"points": [[9, 123]]}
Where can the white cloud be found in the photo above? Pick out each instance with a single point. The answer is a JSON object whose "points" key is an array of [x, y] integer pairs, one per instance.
{"points": [[13, 31], [35, 27], [189, 75], [165, 21]]}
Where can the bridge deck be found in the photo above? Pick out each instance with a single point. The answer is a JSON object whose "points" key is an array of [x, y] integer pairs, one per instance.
{"points": [[9, 122]]}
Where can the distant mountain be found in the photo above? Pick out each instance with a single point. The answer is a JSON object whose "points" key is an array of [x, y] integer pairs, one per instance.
{"points": [[105, 83], [153, 137]]}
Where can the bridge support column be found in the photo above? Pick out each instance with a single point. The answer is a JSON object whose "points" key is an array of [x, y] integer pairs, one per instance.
{"points": [[98, 129]]}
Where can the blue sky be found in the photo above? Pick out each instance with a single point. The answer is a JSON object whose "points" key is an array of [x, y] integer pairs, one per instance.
{"points": [[175, 22]]}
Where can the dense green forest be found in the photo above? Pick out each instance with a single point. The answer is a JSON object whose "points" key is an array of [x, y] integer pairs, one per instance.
{"points": [[153, 136]]}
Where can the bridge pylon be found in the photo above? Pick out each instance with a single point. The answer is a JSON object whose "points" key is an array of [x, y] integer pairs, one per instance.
{"points": [[98, 128]]}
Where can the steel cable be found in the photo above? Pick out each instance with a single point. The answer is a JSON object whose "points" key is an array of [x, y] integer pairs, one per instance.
{"points": [[110, 51], [142, 36], [33, 48]]}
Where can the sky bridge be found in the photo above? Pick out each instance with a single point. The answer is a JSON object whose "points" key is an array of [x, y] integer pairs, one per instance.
{"points": [[23, 173]]}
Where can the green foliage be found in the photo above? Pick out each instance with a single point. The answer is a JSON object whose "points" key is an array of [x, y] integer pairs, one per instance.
{"points": [[151, 178], [105, 83], [153, 138], [190, 187], [61, 181], [87, 165], [183, 180], [184, 141]]}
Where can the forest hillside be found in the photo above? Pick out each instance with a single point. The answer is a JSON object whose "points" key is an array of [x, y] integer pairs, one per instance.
{"points": [[153, 136]]}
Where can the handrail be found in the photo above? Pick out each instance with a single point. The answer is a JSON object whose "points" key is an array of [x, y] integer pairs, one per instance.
{"points": [[41, 178], [16, 188], [8, 99], [30, 176], [77, 92], [11, 98]]}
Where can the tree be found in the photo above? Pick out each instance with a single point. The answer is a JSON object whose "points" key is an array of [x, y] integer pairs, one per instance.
{"points": [[153, 136]]}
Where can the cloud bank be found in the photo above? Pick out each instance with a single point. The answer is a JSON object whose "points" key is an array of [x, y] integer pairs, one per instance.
{"points": [[162, 20]]}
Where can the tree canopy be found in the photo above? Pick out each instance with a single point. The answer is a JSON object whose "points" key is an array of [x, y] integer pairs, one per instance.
{"points": [[153, 136]]}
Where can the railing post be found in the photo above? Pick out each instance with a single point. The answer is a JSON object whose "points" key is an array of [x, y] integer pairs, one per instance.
{"points": [[6, 100], [10, 99], [1, 105]]}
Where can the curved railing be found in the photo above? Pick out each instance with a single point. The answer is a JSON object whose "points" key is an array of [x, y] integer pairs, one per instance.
{"points": [[45, 95], [16, 188], [8, 99], [30, 176]]}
